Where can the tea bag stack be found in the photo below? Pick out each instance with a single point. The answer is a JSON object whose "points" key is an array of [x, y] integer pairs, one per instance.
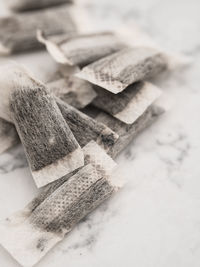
{"points": [[64, 159], [54, 17], [74, 125], [118, 73]]}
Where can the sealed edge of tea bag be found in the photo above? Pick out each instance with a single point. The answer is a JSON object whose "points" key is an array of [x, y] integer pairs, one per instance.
{"points": [[136, 103], [93, 46], [58, 169], [20, 84], [10, 76], [121, 69], [96, 155], [28, 242], [93, 154], [126, 132], [137, 106], [49, 157], [135, 36], [26, 237], [83, 24], [96, 73]]}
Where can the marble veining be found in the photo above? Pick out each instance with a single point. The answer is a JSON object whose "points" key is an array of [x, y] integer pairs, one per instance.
{"points": [[13, 159], [155, 220]]}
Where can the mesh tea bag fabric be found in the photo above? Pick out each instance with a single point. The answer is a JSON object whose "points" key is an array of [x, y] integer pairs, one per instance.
{"points": [[119, 70], [80, 50], [126, 132], [85, 128], [18, 31], [57, 214], [51, 148], [128, 105]]}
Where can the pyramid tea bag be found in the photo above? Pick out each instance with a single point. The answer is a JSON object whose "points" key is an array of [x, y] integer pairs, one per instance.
{"points": [[119, 70], [51, 148], [80, 50], [85, 128], [26, 5], [8, 135], [126, 132], [37, 231], [128, 105], [18, 31], [72, 90]]}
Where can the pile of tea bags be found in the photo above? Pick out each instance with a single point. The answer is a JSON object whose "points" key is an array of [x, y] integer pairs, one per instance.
{"points": [[73, 126]]}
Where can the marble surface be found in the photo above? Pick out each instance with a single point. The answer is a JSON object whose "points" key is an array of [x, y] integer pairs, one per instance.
{"points": [[155, 220]]}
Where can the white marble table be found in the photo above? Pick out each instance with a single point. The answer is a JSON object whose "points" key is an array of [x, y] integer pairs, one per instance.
{"points": [[155, 220]]}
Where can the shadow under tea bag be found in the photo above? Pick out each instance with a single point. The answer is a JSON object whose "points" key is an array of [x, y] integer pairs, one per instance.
{"points": [[51, 148], [128, 105], [119, 70], [73, 91], [8, 135], [26, 5], [18, 31], [57, 214], [83, 49], [85, 128], [127, 133]]}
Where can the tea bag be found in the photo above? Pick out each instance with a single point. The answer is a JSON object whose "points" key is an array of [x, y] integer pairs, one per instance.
{"points": [[72, 90], [8, 135], [26, 5], [51, 148], [18, 32], [60, 211], [85, 128], [91, 130], [83, 49], [127, 133], [119, 70], [93, 154], [128, 105]]}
